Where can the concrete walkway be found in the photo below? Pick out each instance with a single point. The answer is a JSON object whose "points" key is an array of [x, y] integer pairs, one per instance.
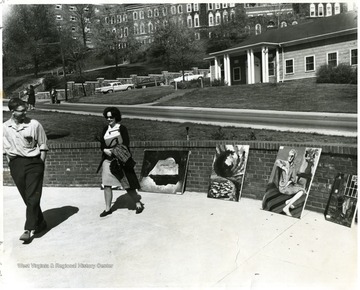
{"points": [[178, 241]]}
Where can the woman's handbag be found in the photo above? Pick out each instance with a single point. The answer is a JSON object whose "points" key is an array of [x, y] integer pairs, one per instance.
{"points": [[116, 168], [121, 152]]}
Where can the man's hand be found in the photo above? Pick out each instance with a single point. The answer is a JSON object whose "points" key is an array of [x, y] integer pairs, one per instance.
{"points": [[108, 152]]}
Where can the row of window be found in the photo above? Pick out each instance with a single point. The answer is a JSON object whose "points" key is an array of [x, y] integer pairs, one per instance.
{"points": [[216, 20], [332, 60], [324, 11], [71, 8]]}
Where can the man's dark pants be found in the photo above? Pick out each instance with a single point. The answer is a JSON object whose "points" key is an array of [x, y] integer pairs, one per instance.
{"points": [[28, 175]]}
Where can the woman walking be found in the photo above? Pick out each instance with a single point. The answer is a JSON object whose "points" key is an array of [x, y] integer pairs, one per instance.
{"points": [[113, 135]]}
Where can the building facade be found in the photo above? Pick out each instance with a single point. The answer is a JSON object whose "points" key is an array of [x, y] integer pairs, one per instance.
{"points": [[289, 53]]}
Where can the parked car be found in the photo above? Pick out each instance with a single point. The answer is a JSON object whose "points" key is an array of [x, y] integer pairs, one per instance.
{"points": [[149, 82], [114, 87], [188, 77]]}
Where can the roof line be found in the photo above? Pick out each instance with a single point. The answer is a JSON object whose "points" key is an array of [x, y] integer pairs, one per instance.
{"points": [[317, 36], [249, 45], [281, 43]]}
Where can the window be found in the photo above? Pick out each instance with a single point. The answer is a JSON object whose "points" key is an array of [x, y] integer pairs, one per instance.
{"points": [[124, 18], [114, 30], [217, 6], [224, 5], [189, 21], [149, 14], [151, 27], [332, 59], [156, 12], [236, 74], [232, 14], [211, 19], [217, 18], [232, 5], [126, 31], [72, 8], [309, 63], [135, 15], [72, 18], [121, 32], [328, 9], [210, 6], [196, 20], [353, 59], [294, 22], [107, 20], [73, 29], [142, 28], [58, 6], [257, 29], [225, 16], [312, 10], [271, 69], [141, 14], [321, 10], [173, 10], [196, 7], [118, 18], [283, 24], [289, 66], [136, 29], [188, 8], [164, 11], [337, 8], [197, 35], [59, 17], [247, 29], [180, 9]]}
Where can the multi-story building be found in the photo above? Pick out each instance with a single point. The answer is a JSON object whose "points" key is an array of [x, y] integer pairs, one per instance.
{"points": [[140, 20]]}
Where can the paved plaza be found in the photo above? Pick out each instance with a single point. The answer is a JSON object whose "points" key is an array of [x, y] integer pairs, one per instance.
{"points": [[179, 241]]}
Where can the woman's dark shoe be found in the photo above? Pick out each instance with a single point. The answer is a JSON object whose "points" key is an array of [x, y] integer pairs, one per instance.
{"points": [[139, 209], [105, 213]]}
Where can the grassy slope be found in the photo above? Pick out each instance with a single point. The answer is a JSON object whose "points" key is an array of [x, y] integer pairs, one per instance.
{"points": [[80, 128], [290, 96]]}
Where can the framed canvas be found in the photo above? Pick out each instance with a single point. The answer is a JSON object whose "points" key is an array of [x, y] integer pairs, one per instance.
{"points": [[290, 180], [164, 171], [227, 173], [342, 204]]}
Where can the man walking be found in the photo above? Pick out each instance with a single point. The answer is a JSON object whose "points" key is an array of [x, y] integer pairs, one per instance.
{"points": [[25, 149]]}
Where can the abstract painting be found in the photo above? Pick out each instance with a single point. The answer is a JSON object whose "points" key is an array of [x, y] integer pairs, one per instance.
{"points": [[290, 180], [164, 171], [342, 204], [228, 170]]}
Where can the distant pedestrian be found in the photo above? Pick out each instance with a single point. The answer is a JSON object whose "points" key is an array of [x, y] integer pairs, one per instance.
{"points": [[25, 148], [114, 140], [31, 98], [54, 96]]}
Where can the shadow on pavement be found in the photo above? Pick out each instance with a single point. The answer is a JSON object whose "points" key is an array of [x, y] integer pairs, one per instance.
{"points": [[124, 201], [56, 216]]}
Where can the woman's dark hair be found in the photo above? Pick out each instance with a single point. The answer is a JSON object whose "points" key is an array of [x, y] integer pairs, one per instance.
{"points": [[220, 167], [115, 112], [15, 102]]}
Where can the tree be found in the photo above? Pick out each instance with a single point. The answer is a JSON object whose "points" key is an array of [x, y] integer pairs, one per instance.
{"points": [[175, 45], [114, 38], [230, 32], [26, 30], [84, 14]]}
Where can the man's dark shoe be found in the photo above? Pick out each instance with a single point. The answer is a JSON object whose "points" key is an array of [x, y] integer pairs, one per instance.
{"points": [[27, 235]]}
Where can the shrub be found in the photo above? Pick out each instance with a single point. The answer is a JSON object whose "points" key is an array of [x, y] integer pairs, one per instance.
{"points": [[341, 74], [50, 81], [218, 83]]}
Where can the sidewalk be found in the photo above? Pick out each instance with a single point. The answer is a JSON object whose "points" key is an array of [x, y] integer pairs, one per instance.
{"points": [[182, 241]]}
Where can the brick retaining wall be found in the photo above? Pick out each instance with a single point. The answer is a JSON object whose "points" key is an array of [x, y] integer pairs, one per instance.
{"points": [[75, 164]]}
